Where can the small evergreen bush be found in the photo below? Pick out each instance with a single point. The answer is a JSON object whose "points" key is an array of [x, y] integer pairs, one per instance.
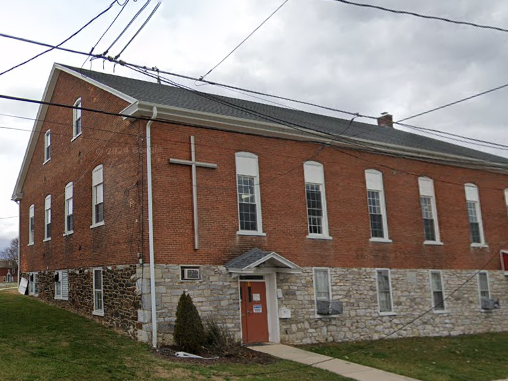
{"points": [[189, 334], [220, 340]]}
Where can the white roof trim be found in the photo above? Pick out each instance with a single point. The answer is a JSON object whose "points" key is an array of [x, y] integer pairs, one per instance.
{"points": [[273, 255]]}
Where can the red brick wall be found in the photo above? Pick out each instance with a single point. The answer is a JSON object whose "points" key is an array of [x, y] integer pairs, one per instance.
{"points": [[284, 207], [118, 241], [282, 198]]}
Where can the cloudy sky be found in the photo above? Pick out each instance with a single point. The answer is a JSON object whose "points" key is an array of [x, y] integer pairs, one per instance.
{"points": [[321, 51]]}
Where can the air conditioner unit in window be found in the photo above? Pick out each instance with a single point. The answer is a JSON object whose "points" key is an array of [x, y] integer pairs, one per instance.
{"points": [[191, 274], [329, 307], [490, 304]]}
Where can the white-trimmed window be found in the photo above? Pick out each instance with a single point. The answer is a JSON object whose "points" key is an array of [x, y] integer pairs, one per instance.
{"points": [[61, 285], [384, 291], [97, 196], [47, 218], [249, 194], [506, 199], [31, 225], [47, 146], [69, 208], [377, 206], [76, 119], [322, 286], [98, 292], [437, 290], [474, 214], [33, 284], [483, 286], [429, 210], [315, 196]]}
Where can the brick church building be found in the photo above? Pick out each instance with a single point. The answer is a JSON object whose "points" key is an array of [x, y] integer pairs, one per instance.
{"points": [[284, 225]]}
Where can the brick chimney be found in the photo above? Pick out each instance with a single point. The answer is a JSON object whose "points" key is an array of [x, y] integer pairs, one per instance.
{"points": [[385, 120]]}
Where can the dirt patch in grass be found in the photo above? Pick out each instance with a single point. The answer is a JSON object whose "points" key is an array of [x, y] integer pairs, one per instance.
{"points": [[242, 355]]}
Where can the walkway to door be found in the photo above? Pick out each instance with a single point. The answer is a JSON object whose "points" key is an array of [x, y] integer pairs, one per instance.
{"points": [[344, 368]]}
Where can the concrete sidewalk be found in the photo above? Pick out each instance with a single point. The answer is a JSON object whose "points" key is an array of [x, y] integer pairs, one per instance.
{"points": [[344, 368]]}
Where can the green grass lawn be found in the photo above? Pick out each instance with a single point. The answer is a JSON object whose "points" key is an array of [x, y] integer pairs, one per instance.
{"points": [[461, 358], [41, 342]]}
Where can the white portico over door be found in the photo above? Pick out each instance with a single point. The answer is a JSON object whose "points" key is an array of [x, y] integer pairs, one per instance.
{"points": [[258, 265]]}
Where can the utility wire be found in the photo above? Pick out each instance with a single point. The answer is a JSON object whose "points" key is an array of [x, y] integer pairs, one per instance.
{"points": [[123, 63], [123, 6], [245, 39], [63, 42], [139, 30], [438, 18], [127, 27], [454, 103]]}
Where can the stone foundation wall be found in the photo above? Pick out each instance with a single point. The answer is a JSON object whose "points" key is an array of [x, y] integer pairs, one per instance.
{"points": [[121, 297], [215, 296], [356, 288]]}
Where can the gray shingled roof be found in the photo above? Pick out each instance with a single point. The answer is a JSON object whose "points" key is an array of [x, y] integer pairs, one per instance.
{"points": [[166, 95], [247, 259]]}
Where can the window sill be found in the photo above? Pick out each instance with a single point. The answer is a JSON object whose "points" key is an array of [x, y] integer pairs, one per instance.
{"points": [[480, 245], [319, 236], [46, 239], [45, 161], [60, 298], [325, 316], [30, 244], [485, 311], [380, 240], [98, 313], [252, 233], [441, 311], [77, 136], [97, 225], [387, 314], [68, 233], [433, 243]]}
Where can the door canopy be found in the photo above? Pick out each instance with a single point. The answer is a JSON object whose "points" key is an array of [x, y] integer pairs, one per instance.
{"points": [[256, 261]]}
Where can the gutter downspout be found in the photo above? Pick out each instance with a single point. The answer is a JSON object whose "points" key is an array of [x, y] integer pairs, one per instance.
{"points": [[150, 225], [19, 239]]}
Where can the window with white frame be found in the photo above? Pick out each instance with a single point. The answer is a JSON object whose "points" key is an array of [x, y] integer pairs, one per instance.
{"points": [[322, 285], [377, 205], [98, 293], [506, 199], [47, 218], [69, 208], [474, 214], [315, 195], [33, 283], [437, 290], [429, 210], [61, 285], [47, 145], [76, 120], [31, 225], [97, 196], [483, 285], [249, 197], [384, 290]]}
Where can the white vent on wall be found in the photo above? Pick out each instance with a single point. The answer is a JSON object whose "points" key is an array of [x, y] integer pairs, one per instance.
{"points": [[191, 273]]}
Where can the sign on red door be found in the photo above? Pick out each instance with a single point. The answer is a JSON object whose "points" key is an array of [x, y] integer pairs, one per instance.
{"points": [[254, 314]]}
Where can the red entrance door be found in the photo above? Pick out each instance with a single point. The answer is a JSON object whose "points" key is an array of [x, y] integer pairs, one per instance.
{"points": [[254, 314]]}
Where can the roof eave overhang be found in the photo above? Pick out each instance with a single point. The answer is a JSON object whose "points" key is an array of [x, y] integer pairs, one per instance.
{"points": [[190, 117], [286, 266]]}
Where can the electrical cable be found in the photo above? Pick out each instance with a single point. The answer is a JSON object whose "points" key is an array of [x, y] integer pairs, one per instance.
{"points": [[63, 42], [244, 40], [458, 22], [125, 29], [139, 30]]}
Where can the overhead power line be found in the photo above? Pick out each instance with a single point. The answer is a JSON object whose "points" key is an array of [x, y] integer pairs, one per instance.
{"points": [[225, 86], [437, 18], [455, 102], [61, 43], [245, 39]]}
